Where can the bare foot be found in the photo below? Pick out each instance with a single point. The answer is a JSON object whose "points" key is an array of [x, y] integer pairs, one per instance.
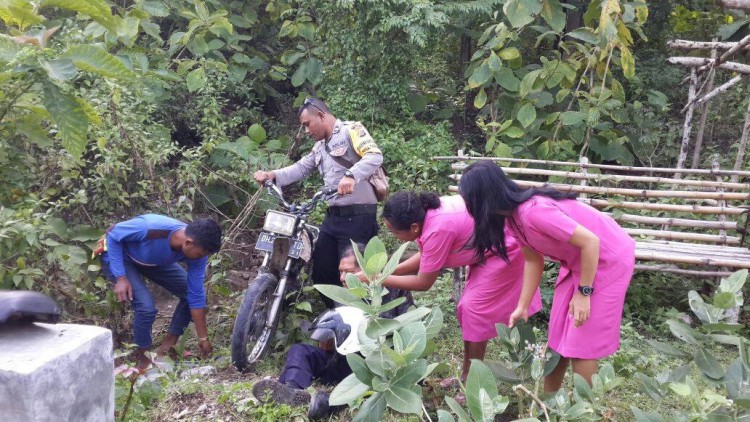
{"points": [[142, 361]]}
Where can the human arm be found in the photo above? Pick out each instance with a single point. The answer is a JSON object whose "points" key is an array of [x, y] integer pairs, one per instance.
{"points": [[409, 266], [367, 149], [196, 298], [132, 230], [297, 171], [580, 305], [201, 330], [532, 277], [419, 282]]}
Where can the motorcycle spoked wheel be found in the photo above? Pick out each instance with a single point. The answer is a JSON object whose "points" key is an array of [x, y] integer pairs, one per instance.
{"points": [[250, 336]]}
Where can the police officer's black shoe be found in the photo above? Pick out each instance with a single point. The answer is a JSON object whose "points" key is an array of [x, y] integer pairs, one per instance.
{"points": [[270, 389]]}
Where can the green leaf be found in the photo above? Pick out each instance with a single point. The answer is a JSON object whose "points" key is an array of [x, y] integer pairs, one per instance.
{"points": [[553, 14], [380, 326], [582, 387], [667, 349], [196, 79], [380, 364], [734, 282], [481, 99], [403, 400], [243, 147], [152, 29], [458, 410], [155, 8], [494, 62], [372, 409], [724, 300], [94, 59], [341, 295], [684, 332], [375, 264], [542, 151], [314, 71], [527, 83], [300, 74], [507, 79], [480, 76], [9, 49], [394, 260], [19, 13], [650, 386], [306, 30], [256, 133], [445, 416], [509, 53], [520, 12], [503, 373], [417, 102], [348, 390], [434, 323], [415, 339], [708, 364], [98, 10], [69, 117], [513, 132], [413, 315], [502, 150], [410, 374], [627, 62], [586, 35], [526, 115], [572, 118], [60, 69], [680, 389], [480, 378]]}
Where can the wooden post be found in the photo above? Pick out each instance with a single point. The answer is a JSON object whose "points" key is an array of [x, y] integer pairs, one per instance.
{"points": [[735, 4], [459, 274], [743, 145], [704, 115], [688, 125], [583, 170]]}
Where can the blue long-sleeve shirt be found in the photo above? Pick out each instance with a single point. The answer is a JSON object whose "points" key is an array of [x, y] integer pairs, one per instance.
{"points": [[144, 240]]}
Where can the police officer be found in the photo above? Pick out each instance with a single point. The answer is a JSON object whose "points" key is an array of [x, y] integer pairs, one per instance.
{"points": [[346, 156]]}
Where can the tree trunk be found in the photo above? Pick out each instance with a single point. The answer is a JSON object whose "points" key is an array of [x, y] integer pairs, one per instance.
{"points": [[702, 45], [699, 62]]}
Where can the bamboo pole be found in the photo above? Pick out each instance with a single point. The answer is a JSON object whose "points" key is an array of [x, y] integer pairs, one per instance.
{"points": [[722, 218], [702, 45], [695, 209], [727, 54], [690, 259], [735, 4], [665, 234], [704, 116], [698, 249], [640, 193], [687, 126], [676, 270], [621, 178], [743, 143], [720, 90], [701, 62], [676, 222], [692, 247], [598, 166]]}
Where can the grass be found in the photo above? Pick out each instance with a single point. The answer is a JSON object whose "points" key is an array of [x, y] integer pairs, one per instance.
{"points": [[226, 396]]}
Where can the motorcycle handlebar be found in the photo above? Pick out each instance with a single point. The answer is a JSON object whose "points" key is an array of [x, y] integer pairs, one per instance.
{"points": [[325, 193]]}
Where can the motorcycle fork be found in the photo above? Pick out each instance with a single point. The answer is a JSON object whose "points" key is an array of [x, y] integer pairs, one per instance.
{"points": [[278, 295]]}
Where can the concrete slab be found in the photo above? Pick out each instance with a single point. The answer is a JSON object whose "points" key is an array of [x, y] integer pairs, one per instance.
{"points": [[61, 372]]}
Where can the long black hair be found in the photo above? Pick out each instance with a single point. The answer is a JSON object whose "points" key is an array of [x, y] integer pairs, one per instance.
{"points": [[408, 207], [487, 190]]}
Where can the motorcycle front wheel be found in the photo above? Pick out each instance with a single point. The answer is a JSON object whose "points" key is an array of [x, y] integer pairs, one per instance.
{"points": [[250, 335]]}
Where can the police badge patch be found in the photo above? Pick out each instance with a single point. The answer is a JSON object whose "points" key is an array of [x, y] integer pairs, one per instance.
{"points": [[361, 140]]}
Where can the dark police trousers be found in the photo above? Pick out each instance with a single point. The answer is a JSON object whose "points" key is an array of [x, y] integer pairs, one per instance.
{"points": [[305, 363], [341, 225]]}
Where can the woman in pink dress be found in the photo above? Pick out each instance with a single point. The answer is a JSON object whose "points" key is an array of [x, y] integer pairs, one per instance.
{"points": [[596, 259], [442, 228]]}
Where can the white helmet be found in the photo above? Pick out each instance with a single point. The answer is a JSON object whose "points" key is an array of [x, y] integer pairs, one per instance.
{"points": [[340, 324]]}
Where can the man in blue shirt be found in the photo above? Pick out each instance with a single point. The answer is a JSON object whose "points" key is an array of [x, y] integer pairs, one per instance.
{"points": [[151, 246]]}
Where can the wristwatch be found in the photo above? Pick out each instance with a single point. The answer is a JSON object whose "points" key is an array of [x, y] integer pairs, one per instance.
{"points": [[349, 173], [586, 290]]}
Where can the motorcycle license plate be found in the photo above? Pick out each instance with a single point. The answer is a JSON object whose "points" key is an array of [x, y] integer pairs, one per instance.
{"points": [[265, 243]]}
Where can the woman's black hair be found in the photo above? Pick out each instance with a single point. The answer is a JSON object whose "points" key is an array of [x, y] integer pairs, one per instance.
{"points": [[486, 190], [408, 207]]}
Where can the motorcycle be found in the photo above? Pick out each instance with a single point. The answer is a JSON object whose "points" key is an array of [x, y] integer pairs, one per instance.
{"points": [[287, 243]]}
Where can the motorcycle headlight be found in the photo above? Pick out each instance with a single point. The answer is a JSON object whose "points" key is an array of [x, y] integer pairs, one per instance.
{"points": [[280, 223]]}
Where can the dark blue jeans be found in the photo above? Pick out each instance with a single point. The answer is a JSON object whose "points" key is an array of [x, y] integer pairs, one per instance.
{"points": [[173, 278], [305, 363]]}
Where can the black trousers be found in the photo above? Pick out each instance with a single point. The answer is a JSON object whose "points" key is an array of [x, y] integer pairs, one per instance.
{"points": [[336, 235], [305, 363]]}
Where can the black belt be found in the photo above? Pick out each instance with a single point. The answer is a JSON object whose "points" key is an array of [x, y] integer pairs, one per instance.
{"points": [[357, 209]]}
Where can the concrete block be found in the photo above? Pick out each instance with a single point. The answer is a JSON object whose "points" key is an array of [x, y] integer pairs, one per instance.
{"points": [[61, 372]]}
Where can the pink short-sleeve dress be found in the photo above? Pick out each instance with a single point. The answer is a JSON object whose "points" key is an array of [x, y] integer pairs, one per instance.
{"points": [[492, 289], [546, 225]]}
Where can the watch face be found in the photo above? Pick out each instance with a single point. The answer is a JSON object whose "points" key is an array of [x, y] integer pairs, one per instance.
{"points": [[586, 290]]}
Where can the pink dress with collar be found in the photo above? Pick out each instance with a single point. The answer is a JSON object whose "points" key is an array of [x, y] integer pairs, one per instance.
{"points": [[492, 289], [546, 225]]}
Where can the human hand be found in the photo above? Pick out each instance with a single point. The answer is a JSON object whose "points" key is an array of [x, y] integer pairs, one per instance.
{"points": [[123, 290], [346, 185], [580, 308], [517, 315], [362, 277], [205, 348], [261, 176], [327, 345]]}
